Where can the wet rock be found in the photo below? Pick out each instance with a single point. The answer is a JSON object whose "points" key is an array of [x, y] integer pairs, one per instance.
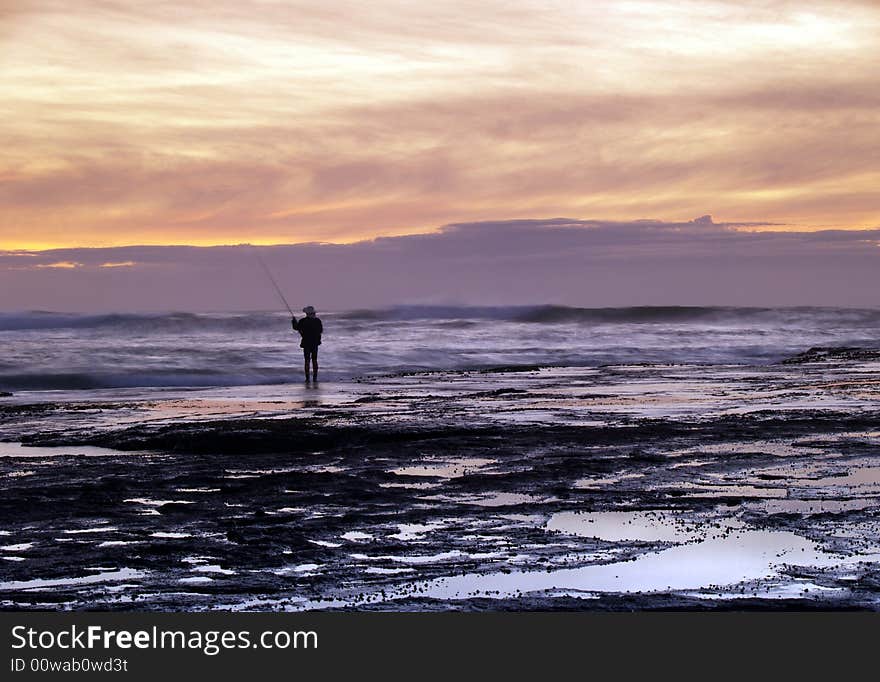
{"points": [[360, 506], [827, 353]]}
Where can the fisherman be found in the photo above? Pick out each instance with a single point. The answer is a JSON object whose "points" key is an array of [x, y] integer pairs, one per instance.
{"points": [[310, 329]]}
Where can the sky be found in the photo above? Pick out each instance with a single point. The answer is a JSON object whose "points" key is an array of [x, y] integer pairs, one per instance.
{"points": [[229, 121], [223, 122], [520, 262]]}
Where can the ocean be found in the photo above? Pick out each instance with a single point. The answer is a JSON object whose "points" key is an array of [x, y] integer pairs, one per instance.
{"points": [[60, 351]]}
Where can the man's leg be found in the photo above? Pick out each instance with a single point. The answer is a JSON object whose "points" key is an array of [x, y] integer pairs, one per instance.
{"points": [[306, 356], [315, 365]]}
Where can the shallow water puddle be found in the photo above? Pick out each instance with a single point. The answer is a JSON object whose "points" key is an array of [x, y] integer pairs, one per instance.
{"points": [[424, 485], [620, 526], [788, 590], [742, 555], [497, 499], [705, 556], [154, 503], [121, 574], [764, 447], [212, 568], [387, 571], [809, 507], [415, 559], [356, 536], [252, 473], [22, 547], [325, 543], [94, 529], [598, 483], [856, 477], [446, 469], [196, 580], [296, 569], [722, 490], [415, 531], [21, 450]]}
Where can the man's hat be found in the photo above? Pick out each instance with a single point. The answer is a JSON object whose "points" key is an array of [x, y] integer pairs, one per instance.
{"points": [[309, 310]]}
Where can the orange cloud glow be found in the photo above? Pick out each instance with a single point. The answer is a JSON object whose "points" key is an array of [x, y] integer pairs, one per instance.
{"points": [[62, 265]]}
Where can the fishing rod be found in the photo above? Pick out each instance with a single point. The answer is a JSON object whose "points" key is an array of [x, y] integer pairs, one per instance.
{"points": [[274, 283]]}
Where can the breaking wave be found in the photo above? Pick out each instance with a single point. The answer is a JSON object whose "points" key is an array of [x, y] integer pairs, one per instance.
{"points": [[136, 322], [560, 314], [451, 315]]}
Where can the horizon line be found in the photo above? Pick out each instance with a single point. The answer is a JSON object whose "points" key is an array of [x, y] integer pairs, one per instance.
{"points": [[738, 226]]}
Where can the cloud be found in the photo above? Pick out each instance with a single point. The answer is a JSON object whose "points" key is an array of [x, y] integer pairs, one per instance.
{"points": [[559, 260], [206, 122], [466, 159], [63, 265]]}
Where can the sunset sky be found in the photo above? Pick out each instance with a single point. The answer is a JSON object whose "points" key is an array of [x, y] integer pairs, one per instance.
{"points": [[224, 122]]}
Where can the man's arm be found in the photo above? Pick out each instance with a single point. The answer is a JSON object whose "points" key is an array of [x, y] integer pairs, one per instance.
{"points": [[293, 323]]}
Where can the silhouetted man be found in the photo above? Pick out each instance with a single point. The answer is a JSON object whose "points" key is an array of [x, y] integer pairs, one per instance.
{"points": [[310, 329]]}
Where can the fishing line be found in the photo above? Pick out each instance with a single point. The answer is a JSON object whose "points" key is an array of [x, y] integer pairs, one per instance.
{"points": [[274, 283]]}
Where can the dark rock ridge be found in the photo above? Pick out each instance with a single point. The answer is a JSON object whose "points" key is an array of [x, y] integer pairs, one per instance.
{"points": [[263, 436], [826, 353]]}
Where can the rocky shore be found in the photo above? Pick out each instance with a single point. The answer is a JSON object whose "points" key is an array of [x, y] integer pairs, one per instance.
{"points": [[619, 487]]}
